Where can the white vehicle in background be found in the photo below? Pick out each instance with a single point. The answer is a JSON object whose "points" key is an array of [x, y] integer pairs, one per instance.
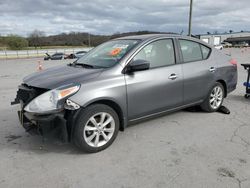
{"points": [[218, 47], [226, 44]]}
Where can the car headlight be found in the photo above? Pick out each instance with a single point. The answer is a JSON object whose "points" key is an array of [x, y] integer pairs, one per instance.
{"points": [[51, 100]]}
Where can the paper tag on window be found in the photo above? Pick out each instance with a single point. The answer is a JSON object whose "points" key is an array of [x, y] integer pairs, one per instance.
{"points": [[115, 51]]}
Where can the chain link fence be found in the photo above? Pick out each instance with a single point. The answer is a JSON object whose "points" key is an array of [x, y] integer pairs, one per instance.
{"points": [[15, 54]]}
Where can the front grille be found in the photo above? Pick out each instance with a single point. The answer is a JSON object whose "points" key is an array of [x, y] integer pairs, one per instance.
{"points": [[26, 93]]}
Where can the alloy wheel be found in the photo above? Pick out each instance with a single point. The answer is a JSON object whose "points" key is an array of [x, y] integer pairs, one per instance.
{"points": [[216, 97], [99, 129]]}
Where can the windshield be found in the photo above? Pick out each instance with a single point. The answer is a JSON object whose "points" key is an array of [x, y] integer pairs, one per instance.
{"points": [[107, 54]]}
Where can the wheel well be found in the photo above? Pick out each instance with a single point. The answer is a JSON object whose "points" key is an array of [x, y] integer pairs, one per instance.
{"points": [[224, 86], [117, 109]]}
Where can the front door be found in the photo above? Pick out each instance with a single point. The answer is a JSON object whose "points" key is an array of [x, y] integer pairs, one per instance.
{"points": [[158, 88]]}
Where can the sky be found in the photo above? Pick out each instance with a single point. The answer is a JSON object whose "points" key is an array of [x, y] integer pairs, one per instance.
{"points": [[21, 17]]}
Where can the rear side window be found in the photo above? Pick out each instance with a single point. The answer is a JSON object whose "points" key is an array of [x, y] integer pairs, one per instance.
{"points": [[191, 51], [205, 51]]}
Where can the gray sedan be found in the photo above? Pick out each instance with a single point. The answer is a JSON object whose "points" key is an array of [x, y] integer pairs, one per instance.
{"points": [[123, 81]]}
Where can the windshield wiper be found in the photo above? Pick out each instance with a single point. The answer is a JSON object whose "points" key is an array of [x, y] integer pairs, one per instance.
{"points": [[81, 64], [70, 64], [84, 65]]}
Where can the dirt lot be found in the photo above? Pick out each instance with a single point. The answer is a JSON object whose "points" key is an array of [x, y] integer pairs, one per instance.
{"points": [[183, 149]]}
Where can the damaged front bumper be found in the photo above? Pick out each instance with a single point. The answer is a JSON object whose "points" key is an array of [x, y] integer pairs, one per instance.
{"points": [[60, 123], [42, 124]]}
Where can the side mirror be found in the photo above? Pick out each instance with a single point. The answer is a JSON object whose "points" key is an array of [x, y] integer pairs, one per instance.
{"points": [[138, 65]]}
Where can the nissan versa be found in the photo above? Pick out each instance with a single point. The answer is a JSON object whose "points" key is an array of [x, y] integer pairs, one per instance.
{"points": [[123, 81]]}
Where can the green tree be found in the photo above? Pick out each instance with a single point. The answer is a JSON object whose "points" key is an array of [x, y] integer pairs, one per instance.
{"points": [[15, 42]]}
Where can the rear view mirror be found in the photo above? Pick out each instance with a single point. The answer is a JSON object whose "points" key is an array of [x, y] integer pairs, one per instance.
{"points": [[138, 65]]}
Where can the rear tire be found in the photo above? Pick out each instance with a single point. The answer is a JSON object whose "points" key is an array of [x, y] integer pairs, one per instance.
{"points": [[214, 99], [96, 128]]}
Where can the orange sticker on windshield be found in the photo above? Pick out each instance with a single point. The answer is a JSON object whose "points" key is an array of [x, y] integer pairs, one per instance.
{"points": [[115, 51]]}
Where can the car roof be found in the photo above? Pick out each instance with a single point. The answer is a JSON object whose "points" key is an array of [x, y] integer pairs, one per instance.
{"points": [[148, 36], [155, 36]]}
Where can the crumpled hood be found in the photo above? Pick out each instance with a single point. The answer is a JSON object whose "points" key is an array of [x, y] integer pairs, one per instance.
{"points": [[60, 75]]}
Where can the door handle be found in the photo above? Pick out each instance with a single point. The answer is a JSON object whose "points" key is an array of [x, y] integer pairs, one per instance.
{"points": [[172, 76], [212, 69]]}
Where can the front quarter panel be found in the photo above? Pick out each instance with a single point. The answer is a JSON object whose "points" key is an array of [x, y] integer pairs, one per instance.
{"points": [[106, 87]]}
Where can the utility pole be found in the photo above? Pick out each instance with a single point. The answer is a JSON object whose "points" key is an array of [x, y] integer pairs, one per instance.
{"points": [[89, 39], [190, 18]]}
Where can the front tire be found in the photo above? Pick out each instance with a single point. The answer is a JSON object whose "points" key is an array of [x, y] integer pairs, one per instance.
{"points": [[96, 128], [214, 99]]}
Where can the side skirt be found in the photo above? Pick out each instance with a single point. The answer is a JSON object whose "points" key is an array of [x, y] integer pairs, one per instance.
{"points": [[162, 113]]}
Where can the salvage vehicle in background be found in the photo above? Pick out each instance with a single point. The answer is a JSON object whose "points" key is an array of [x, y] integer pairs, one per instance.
{"points": [[69, 56], [123, 81], [80, 54], [76, 55], [55, 56]]}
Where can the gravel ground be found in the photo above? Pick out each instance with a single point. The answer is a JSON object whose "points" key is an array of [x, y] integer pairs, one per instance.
{"points": [[182, 149]]}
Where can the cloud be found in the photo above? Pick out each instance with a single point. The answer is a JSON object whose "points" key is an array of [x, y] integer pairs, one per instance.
{"points": [[109, 16]]}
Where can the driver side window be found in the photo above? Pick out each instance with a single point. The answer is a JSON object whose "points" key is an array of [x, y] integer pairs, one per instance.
{"points": [[159, 53]]}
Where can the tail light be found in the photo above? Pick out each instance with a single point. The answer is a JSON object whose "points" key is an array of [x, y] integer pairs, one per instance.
{"points": [[233, 62]]}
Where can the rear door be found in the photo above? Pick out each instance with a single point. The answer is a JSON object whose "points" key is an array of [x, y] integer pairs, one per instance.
{"points": [[198, 70], [159, 88]]}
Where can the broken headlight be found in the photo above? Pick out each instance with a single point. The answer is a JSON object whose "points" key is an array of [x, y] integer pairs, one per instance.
{"points": [[51, 100]]}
